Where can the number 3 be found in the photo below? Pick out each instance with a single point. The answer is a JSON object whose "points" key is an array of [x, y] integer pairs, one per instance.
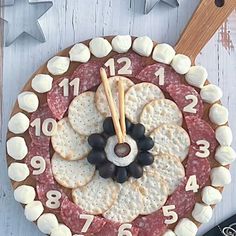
{"points": [[124, 230], [168, 212], [204, 149]]}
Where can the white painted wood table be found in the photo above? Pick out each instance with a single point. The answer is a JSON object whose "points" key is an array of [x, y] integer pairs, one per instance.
{"points": [[69, 21]]}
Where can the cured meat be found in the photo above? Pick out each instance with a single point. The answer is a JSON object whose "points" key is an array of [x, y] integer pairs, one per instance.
{"points": [[70, 214], [154, 74], [198, 166], [199, 130], [187, 99], [42, 113], [151, 225], [57, 102]]}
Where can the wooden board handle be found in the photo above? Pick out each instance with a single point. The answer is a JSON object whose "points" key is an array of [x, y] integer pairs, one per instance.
{"points": [[206, 20]]}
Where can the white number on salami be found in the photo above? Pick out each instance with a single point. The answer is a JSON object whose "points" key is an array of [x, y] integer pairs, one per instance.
{"points": [[191, 108], [160, 74], [88, 221], [39, 164], [49, 127], [53, 201], [125, 70], [75, 83], [168, 211], [192, 184], [204, 149], [124, 230]]}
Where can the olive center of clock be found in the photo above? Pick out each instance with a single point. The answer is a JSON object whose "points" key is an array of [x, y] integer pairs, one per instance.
{"points": [[122, 149]]}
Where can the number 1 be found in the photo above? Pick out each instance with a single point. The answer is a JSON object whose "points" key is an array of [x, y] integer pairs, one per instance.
{"points": [[161, 75]]}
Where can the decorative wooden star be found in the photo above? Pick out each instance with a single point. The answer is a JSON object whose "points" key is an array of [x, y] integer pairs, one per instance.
{"points": [[150, 4], [22, 18]]}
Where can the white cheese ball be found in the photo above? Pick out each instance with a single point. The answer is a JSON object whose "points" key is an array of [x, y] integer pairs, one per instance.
{"points": [[218, 114], [42, 83], [220, 176], [143, 46], [225, 155], [16, 148], [18, 171], [163, 53], [58, 65], [24, 194], [211, 93], [18, 123], [62, 230], [100, 47], [202, 213], [121, 43], [28, 101], [33, 210], [185, 227], [47, 223], [80, 53], [224, 135], [211, 196], [181, 64], [169, 233], [196, 76]]}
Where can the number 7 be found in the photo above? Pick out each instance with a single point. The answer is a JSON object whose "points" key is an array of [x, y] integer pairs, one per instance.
{"points": [[88, 222]]}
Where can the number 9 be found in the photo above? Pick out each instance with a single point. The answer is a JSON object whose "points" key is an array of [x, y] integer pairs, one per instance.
{"points": [[38, 163]]}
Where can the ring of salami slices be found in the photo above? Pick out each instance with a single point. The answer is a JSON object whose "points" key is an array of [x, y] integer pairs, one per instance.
{"points": [[60, 143]]}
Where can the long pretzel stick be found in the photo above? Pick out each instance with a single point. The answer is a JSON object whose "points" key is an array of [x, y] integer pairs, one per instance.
{"points": [[111, 104], [121, 91]]}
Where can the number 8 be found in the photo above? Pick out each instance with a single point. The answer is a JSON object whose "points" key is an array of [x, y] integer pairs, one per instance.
{"points": [[53, 201]]}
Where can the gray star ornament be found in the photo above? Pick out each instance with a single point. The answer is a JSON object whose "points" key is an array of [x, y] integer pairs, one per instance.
{"points": [[22, 18], [150, 4]]}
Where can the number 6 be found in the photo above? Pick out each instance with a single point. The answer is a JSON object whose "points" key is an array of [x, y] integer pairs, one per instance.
{"points": [[124, 230], [168, 211]]}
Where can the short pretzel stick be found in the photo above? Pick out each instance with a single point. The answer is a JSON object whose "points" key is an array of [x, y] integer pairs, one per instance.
{"points": [[121, 91], [111, 104]]}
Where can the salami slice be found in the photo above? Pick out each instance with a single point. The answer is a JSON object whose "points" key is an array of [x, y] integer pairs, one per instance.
{"points": [[71, 215], [152, 224], [39, 157], [42, 113], [187, 99], [198, 166], [159, 74], [200, 132], [57, 102]]}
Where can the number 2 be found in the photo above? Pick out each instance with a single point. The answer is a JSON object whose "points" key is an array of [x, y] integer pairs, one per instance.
{"points": [[191, 108], [168, 212], [88, 222], [192, 184]]}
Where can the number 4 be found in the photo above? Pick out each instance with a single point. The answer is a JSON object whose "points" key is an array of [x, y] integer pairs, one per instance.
{"points": [[192, 184]]}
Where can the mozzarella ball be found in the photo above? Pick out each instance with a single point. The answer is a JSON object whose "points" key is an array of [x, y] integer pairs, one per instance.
{"points": [[211, 93], [225, 155], [100, 47], [196, 76], [185, 227], [163, 53], [33, 210], [18, 123], [211, 196], [224, 135], [202, 213], [143, 46], [58, 65], [24, 194], [16, 148], [181, 64], [28, 101], [220, 176], [62, 230], [218, 114], [121, 43], [169, 233], [42, 83], [47, 223], [80, 53], [18, 171]]}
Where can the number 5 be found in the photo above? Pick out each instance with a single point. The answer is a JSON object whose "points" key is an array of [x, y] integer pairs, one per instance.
{"points": [[168, 212], [124, 230]]}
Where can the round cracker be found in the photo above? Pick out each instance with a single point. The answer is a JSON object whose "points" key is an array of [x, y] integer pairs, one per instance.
{"points": [[155, 192], [84, 116], [101, 100], [129, 198], [97, 196], [170, 169], [171, 139], [138, 96], [159, 112], [71, 174], [68, 143]]}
